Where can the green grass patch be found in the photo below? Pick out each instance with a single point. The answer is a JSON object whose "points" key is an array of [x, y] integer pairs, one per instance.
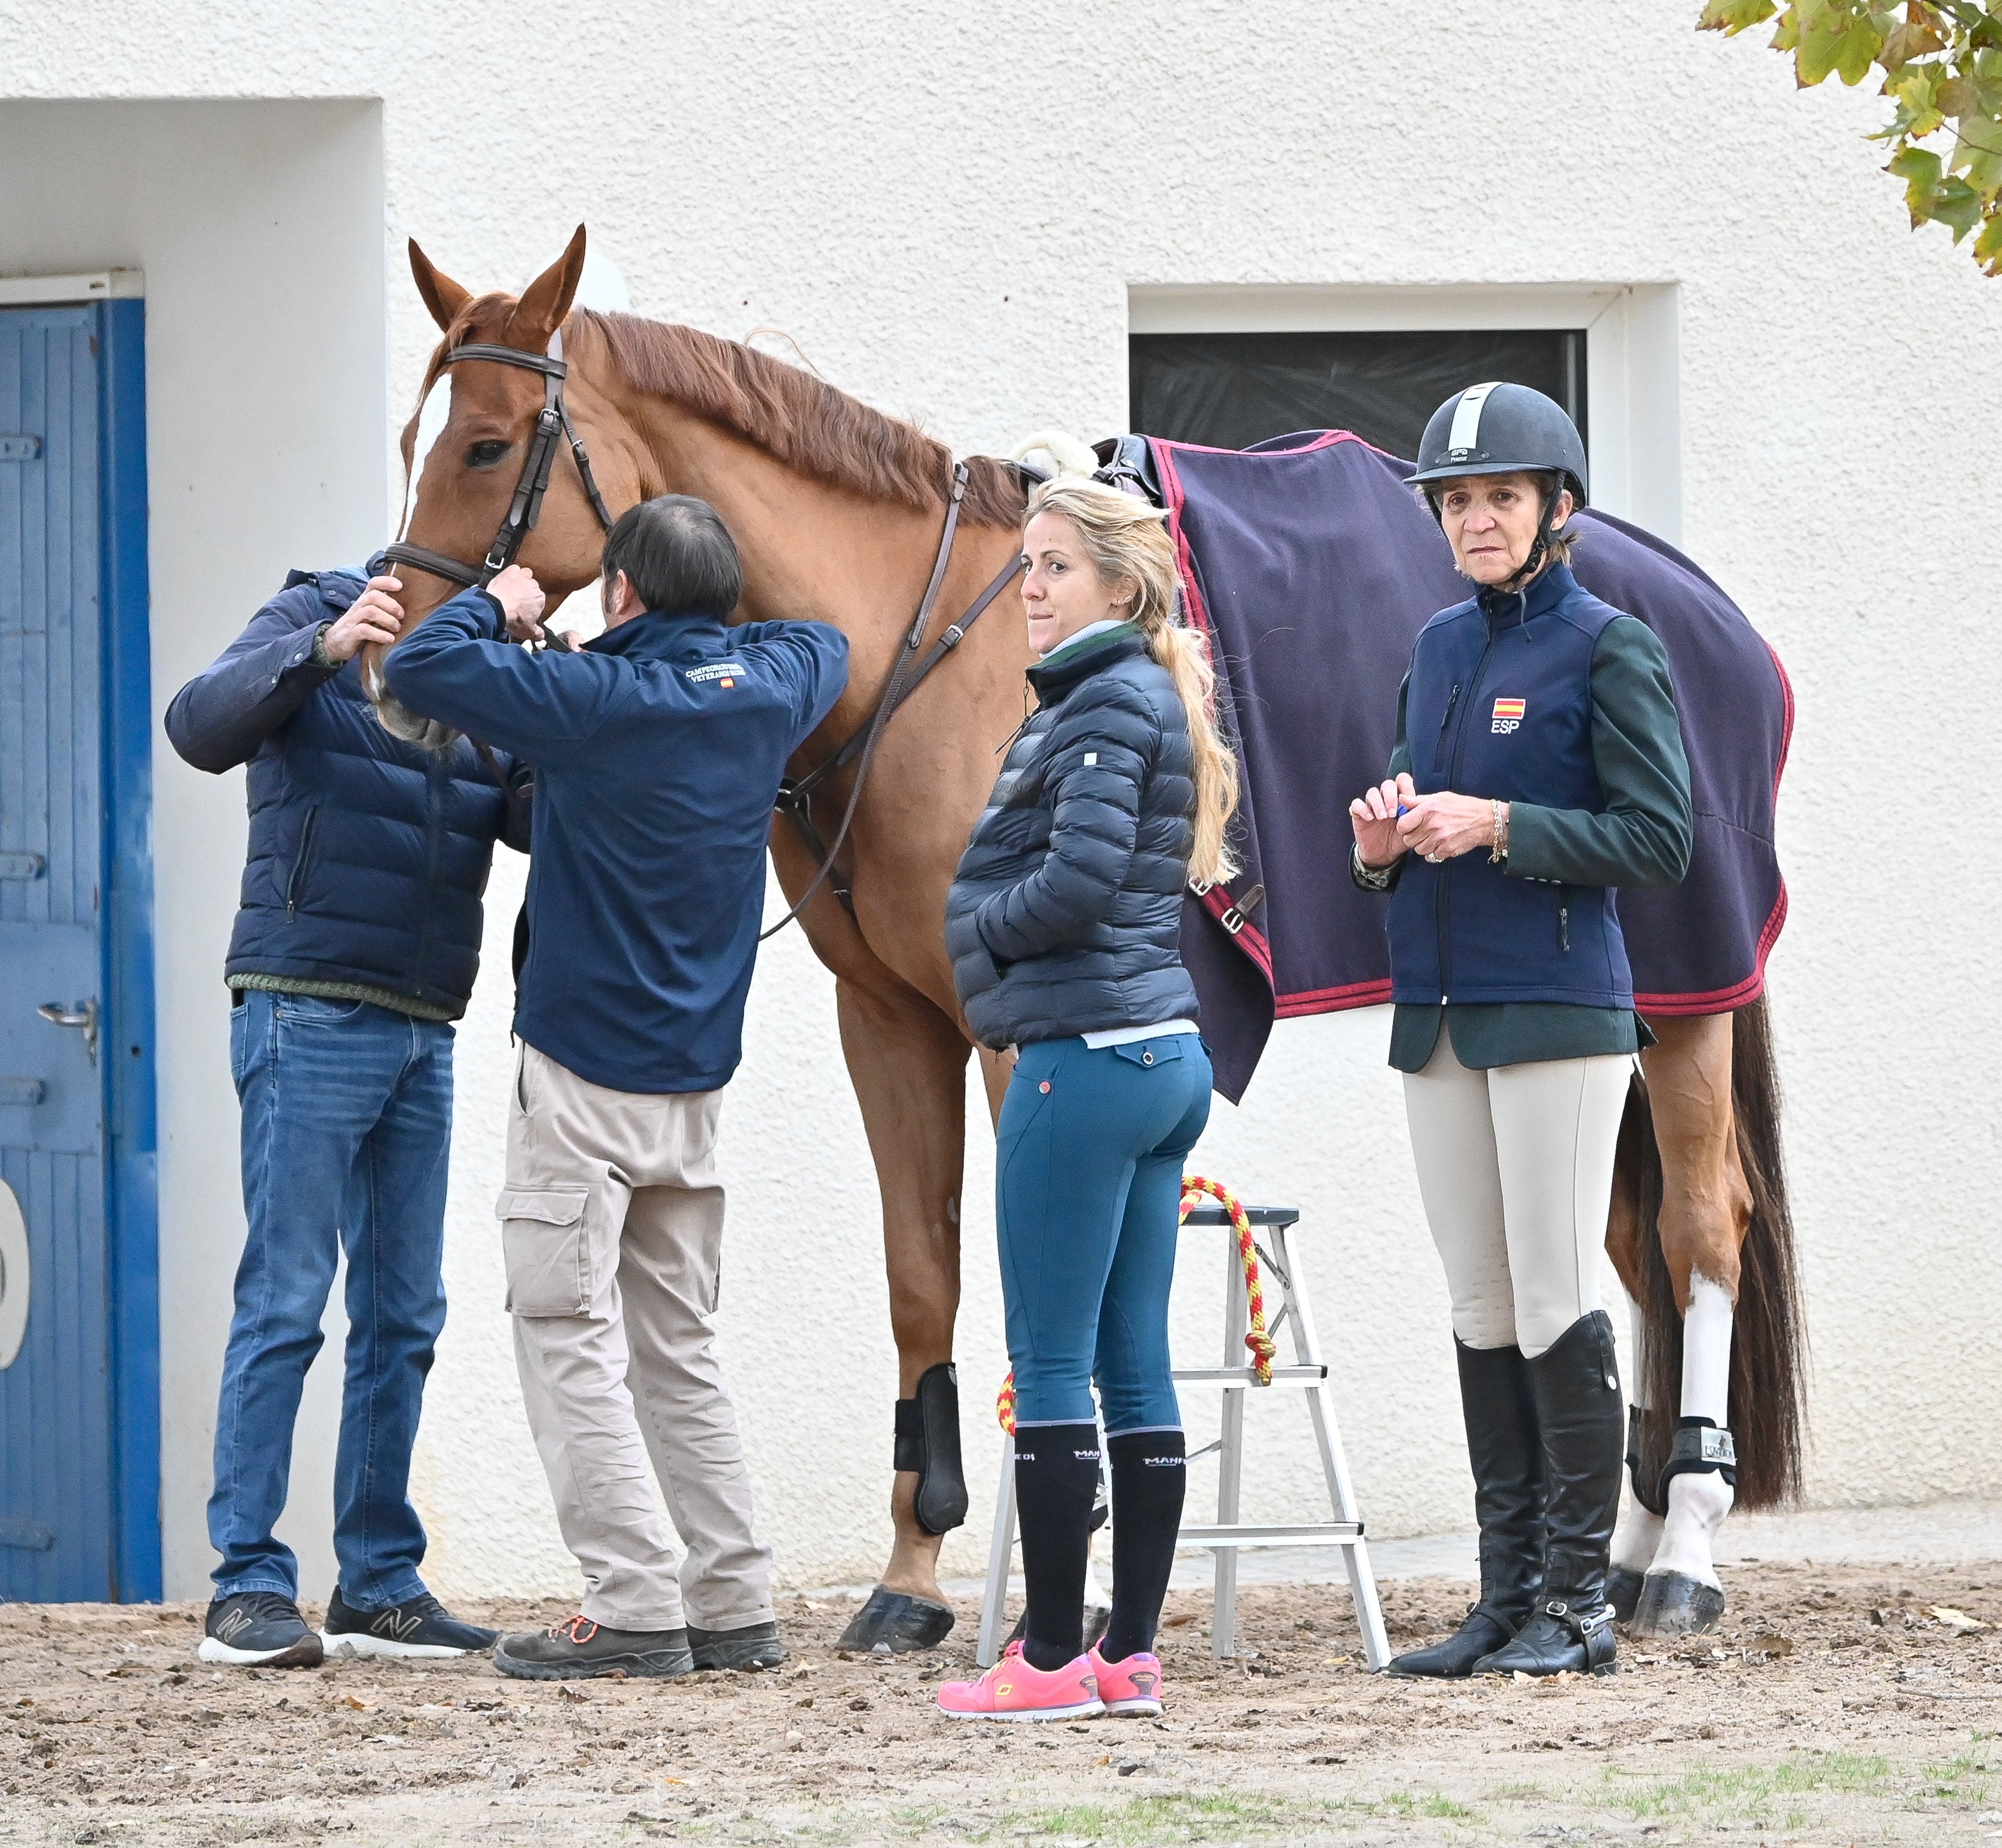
{"points": [[1176, 1816], [1748, 1791]]}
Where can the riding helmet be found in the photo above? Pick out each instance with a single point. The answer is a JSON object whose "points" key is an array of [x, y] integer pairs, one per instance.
{"points": [[1499, 429]]}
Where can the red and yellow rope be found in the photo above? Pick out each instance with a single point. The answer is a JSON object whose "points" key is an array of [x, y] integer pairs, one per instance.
{"points": [[1195, 1188]]}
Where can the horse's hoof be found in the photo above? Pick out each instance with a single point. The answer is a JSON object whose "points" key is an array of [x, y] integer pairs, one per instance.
{"points": [[1623, 1592], [894, 1623], [1672, 1604]]}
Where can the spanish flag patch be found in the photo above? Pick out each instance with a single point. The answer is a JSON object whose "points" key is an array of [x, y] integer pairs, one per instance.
{"points": [[1508, 709]]}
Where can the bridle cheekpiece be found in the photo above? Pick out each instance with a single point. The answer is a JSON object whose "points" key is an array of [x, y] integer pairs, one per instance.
{"points": [[525, 508]]}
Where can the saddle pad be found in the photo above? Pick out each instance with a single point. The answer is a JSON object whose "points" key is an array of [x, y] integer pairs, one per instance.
{"points": [[1313, 565]]}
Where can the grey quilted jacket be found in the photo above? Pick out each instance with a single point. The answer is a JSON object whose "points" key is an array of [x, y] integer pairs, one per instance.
{"points": [[1066, 916]]}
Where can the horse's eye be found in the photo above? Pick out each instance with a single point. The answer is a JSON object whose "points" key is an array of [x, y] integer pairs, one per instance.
{"points": [[484, 455]]}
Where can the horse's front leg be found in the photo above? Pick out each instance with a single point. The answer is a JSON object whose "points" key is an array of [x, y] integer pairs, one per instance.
{"points": [[1706, 1210], [908, 1062]]}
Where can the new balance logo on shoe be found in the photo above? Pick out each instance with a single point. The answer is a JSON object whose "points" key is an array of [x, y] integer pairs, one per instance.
{"points": [[398, 1623]]}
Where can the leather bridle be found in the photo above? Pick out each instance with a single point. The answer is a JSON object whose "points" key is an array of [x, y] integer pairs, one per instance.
{"points": [[526, 507], [795, 800]]}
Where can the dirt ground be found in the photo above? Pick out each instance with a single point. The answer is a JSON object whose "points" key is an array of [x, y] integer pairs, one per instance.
{"points": [[1834, 1706]]}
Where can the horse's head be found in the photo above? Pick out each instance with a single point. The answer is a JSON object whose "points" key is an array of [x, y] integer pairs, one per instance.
{"points": [[466, 481]]}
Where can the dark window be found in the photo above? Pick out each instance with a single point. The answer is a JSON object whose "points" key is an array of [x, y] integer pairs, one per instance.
{"points": [[1232, 390]]}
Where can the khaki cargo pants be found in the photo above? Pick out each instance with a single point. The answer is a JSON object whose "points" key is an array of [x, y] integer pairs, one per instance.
{"points": [[612, 1224]]}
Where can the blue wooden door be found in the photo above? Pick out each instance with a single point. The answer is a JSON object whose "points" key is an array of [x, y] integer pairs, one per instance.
{"points": [[65, 1020]]}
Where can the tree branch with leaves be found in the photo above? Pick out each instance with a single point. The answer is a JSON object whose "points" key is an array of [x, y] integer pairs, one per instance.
{"points": [[1942, 69]]}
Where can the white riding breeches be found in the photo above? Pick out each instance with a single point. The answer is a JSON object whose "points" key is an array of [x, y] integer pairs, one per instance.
{"points": [[1515, 1168]]}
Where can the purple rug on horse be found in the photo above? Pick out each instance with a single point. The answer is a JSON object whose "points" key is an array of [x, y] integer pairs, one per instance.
{"points": [[1313, 566]]}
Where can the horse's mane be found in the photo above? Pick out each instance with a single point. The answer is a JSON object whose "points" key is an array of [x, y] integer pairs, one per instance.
{"points": [[802, 420]]}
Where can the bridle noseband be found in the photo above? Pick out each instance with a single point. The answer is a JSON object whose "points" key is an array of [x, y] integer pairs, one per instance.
{"points": [[526, 507]]}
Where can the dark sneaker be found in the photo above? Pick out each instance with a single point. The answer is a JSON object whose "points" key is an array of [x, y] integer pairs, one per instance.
{"points": [[756, 1646], [258, 1630], [419, 1627], [579, 1649]]}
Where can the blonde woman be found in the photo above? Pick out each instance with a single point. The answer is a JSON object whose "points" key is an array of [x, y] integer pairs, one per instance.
{"points": [[1063, 926]]}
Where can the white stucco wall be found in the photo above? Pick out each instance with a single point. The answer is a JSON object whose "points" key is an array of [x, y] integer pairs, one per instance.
{"points": [[946, 210]]}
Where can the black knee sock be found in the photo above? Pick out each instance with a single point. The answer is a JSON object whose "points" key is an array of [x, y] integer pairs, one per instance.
{"points": [[1056, 1477], [1149, 1473]]}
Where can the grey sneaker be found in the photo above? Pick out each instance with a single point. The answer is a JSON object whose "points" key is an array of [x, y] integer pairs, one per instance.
{"points": [[579, 1649], [258, 1630], [419, 1627], [755, 1646]]}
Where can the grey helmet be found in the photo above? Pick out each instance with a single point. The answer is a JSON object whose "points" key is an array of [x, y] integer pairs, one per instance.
{"points": [[1501, 429]]}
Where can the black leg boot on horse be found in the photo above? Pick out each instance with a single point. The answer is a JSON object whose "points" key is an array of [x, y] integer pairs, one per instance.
{"points": [[1577, 1388], [893, 1622], [1507, 1456]]}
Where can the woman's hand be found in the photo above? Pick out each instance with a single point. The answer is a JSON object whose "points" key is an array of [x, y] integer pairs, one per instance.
{"points": [[1444, 826], [1373, 815]]}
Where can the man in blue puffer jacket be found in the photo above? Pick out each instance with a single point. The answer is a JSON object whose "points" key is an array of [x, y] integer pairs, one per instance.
{"points": [[354, 948]]}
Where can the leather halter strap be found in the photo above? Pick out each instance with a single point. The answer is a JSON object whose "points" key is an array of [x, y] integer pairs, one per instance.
{"points": [[525, 507], [795, 799]]}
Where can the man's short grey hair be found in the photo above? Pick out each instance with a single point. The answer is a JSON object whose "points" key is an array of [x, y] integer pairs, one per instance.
{"points": [[677, 556]]}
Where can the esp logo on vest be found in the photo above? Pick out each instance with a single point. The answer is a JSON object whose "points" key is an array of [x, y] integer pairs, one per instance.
{"points": [[1507, 715]]}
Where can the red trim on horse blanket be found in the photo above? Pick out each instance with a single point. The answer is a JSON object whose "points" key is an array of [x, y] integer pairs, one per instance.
{"points": [[1312, 567]]}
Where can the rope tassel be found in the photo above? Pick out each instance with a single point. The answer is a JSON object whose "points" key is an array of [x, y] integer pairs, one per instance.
{"points": [[1195, 1189]]}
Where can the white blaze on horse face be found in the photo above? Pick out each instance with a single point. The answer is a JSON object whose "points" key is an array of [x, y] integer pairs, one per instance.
{"points": [[431, 421]]}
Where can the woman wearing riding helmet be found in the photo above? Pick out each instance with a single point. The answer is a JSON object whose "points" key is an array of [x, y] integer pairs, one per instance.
{"points": [[1539, 766], [1064, 928]]}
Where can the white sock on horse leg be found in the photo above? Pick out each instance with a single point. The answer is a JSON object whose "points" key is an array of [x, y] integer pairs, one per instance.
{"points": [[1698, 1503], [1707, 1351], [1639, 1535]]}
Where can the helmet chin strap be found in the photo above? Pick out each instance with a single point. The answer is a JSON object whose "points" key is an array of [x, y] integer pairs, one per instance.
{"points": [[1518, 580]]}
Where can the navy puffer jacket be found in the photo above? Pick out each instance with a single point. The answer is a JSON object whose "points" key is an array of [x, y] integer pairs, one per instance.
{"points": [[369, 857], [1065, 916]]}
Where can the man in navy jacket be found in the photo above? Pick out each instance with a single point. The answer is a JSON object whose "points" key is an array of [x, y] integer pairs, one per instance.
{"points": [[354, 948], [657, 751]]}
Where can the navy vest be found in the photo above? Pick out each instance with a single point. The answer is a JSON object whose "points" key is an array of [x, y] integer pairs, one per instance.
{"points": [[1499, 705]]}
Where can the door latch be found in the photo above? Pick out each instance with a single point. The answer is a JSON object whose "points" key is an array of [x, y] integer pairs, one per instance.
{"points": [[81, 1013]]}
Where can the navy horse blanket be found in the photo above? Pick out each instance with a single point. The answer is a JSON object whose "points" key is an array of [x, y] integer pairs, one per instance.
{"points": [[1312, 567]]}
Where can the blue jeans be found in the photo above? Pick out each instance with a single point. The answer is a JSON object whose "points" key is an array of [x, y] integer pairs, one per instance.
{"points": [[1088, 1205], [347, 1132]]}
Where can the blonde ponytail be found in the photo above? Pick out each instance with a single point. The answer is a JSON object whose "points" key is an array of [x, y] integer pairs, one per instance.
{"points": [[1124, 538]]}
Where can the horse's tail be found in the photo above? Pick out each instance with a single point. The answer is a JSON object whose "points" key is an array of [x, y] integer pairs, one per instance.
{"points": [[1769, 1344]]}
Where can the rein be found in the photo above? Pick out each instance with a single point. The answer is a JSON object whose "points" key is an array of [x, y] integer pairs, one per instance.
{"points": [[795, 800], [525, 508]]}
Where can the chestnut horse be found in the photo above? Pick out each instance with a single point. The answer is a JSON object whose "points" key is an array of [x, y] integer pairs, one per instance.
{"points": [[838, 510]]}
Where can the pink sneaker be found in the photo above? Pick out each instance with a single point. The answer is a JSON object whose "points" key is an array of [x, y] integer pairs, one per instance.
{"points": [[1132, 1686], [1012, 1689]]}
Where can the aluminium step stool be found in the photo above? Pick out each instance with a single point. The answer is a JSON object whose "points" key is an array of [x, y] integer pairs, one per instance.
{"points": [[1279, 1271]]}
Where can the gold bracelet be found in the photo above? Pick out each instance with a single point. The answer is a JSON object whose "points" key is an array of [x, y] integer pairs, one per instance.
{"points": [[1499, 850]]}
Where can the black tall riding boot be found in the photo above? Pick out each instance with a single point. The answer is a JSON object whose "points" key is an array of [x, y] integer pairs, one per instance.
{"points": [[1508, 1459], [1577, 1387]]}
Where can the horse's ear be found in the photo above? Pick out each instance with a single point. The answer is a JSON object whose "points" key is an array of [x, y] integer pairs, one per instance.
{"points": [[546, 301], [442, 296]]}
